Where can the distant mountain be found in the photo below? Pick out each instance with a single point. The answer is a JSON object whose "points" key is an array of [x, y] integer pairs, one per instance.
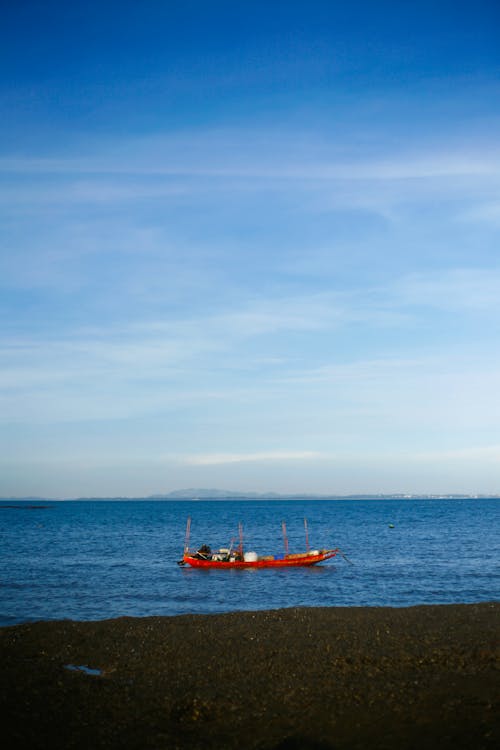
{"points": [[194, 493], [202, 493]]}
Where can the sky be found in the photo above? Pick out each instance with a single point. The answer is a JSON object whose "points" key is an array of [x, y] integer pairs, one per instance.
{"points": [[252, 246]]}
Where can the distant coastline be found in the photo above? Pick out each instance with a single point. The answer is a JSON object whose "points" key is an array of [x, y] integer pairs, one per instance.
{"points": [[201, 494]]}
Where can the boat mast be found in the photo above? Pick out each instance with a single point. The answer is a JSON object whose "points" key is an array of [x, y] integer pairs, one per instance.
{"points": [[285, 539], [188, 531], [240, 531], [307, 534]]}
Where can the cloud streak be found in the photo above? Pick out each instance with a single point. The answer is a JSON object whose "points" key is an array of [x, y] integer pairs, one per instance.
{"points": [[256, 155], [220, 459]]}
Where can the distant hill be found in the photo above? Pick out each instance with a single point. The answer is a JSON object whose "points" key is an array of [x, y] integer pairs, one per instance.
{"points": [[194, 493], [203, 493]]}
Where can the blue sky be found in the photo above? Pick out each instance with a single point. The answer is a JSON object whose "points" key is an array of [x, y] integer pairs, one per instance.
{"points": [[249, 245]]}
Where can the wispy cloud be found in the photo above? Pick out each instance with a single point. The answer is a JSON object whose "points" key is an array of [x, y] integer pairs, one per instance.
{"points": [[166, 346], [489, 454], [454, 289], [283, 152], [216, 459], [73, 191], [488, 212]]}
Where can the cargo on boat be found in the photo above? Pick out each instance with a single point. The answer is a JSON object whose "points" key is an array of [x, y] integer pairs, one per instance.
{"points": [[236, 557]]}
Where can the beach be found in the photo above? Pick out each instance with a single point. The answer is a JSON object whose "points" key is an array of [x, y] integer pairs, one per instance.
{"points": [[312, 678]]}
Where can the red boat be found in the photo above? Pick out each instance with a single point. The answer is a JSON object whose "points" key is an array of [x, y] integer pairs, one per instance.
{"points": [[204, 557]]}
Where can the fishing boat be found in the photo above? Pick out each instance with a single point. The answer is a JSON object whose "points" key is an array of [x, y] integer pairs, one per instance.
{"points": [[236, 557]]}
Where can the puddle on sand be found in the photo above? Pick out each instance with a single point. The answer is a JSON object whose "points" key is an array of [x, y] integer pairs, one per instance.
{"points": [[84, 669]]}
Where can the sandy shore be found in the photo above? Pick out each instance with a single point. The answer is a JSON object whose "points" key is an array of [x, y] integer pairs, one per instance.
{"points": [[322, 679]]}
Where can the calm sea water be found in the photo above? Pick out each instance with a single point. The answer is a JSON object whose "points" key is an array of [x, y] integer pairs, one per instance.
{"points": [[90, 560]]}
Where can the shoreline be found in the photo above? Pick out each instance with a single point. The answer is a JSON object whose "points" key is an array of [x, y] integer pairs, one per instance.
{"points": [[322, 678]]}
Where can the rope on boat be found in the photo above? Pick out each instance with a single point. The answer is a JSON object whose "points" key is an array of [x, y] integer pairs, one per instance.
{"points": [[345, 557]]}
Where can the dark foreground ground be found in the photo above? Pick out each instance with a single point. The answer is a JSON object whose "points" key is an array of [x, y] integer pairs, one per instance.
{"points": [[312, 679]]}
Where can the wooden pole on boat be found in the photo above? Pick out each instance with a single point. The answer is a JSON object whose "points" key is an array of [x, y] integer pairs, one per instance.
{"points": [[285, 539], [307, 534], [240, 531], [188, 531]]}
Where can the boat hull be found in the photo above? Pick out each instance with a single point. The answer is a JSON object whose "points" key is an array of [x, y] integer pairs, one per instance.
{"points": [[297, 561]]}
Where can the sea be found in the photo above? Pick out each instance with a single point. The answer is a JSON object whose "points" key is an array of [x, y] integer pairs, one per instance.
{"points": [[100, 559]]}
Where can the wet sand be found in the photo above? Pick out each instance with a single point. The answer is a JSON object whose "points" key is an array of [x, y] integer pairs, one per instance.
{"points": [[317, 679]]}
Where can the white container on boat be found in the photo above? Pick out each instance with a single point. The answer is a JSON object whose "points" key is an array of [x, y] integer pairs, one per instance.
{"points": [[250, 557], [313, 552]]}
